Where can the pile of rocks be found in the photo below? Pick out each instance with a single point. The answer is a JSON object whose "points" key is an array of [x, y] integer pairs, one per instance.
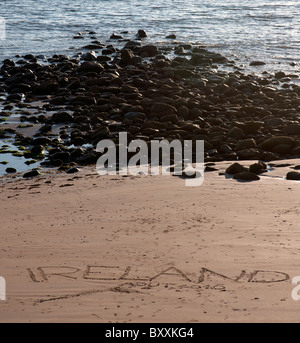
{"points": [[140, 89]]}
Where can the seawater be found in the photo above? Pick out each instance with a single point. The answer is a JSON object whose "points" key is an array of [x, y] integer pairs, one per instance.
{"points": [[245, 30]]}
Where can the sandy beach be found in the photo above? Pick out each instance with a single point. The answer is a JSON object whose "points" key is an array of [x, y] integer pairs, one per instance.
{"points": [[90, 248]]}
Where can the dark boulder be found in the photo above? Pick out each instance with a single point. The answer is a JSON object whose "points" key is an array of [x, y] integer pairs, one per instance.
{"points": [[235, 169], [31, 173], [272, 142], [90, 66], [148, 51], [10, 170], [62, 117], [293, 176], [249, 154], [258, 168], [141, 34]]}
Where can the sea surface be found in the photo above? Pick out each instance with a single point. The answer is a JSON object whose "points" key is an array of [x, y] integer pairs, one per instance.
{"points": [[264, 30]]}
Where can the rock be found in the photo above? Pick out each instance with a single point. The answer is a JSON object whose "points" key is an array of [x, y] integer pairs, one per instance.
{"points": [[37, 149], [183, 112], [257, 63], [76, 153], [88, 158], [72, 170], [230, 92], [84, 100], [282, 149], [235, 169], [170, 118], [270, 143], [91, 66], [132, 45], [197, 59], [246, 144], [100, 133], [148, 51], [295, 151], [269, 156], [108, 51], [134, 115], [141, 34], [210, 169], [41, 141], [78, 36], [275, 122], [280, 75], [77, 141], [252, 126], [162, 108], [127, 56], [236, 133], [58, 100], [63, 156], [47, 87], [292, 129], [31, 173], [57, 163], [19, 88], [179, 51], [103, 58], [225, 149], [62, 117], [258, 168], [93, 47], [149, 132], [249, 154], [46, 128], [293, 176], [171, 36], [183, 73], [14, 97], [114, 36], [246, 176], [10, 170], [89, 56]]}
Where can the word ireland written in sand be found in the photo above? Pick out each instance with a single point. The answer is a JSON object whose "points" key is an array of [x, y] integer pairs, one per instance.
{"points": [[117, 273]]}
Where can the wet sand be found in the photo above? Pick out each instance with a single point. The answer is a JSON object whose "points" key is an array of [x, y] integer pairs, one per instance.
{"points": [[88, 248]]}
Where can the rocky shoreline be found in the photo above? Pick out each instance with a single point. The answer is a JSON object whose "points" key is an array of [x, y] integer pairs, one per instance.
{"points": [[176, 91]]}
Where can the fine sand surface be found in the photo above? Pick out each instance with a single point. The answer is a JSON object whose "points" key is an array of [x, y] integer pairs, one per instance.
{"points": [[88, 248]]}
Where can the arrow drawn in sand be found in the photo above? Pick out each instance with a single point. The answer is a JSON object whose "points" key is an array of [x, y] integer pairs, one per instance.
{"points": [[117, 289]]}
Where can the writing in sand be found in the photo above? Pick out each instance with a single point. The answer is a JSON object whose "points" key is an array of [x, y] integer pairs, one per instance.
{"points": [[115, 273]]}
